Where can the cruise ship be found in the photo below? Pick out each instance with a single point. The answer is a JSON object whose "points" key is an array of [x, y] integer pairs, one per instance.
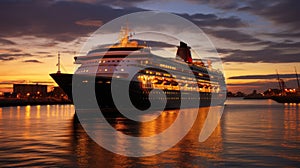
{"points": [[167, 79]]}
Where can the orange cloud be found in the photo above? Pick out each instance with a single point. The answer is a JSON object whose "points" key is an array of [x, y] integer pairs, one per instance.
{"points": [[90, 23]]}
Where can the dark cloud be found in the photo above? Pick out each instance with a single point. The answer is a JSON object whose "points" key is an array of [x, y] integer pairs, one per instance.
{"points": [[232, 35], [114, 3], [288, 45], [200, 16], [261, 85], [33, 61], [12, 56], [68, 52], [91, 23], [266, 55], [284, 13], [67, 20], [49, 56], [43, 52], [6, 42], [53, 43], [286, 34], [221, 4], [244, 8], [58, 20], [272, 52], [211, 20], [281, 12], [4, 50], [268, 76]]}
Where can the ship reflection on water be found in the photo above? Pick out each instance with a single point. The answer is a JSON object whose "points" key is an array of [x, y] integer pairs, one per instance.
{"points": [[188, 152], [255, 133]]}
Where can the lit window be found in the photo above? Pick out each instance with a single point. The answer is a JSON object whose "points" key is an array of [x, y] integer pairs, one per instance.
{"points": [[122, 69], [105, 69]]}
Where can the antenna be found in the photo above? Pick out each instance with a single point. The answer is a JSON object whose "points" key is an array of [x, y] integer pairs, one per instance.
{"points": [[58, 63], [297, 77], [278, 80]]}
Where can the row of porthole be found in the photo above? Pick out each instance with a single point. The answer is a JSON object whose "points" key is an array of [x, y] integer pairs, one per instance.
{"points": [[114, 61], [105, 69], [169, 98], [104, 61], [174, 98], [167, 92]]}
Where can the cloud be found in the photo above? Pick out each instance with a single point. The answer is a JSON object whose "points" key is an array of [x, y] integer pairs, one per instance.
{"points": [[6, 42], [5, 50], [114, 3], [57, 20], [43, 52], [285, 34], [232, 35], [68, 20], [33, 61], [272, 52], [268, 76], [49, 56], [261, 86], [286, 45], [12, 56], [211, 20], [223, 4], [68, 52], [92, 23], [281, 12], [266, 55]]}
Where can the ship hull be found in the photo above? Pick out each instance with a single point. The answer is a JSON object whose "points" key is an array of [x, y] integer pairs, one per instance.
{"points": [[140, 97], [287, 99]]}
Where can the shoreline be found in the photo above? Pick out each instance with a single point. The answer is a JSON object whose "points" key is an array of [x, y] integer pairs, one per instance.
{"points": [[11, 102]]}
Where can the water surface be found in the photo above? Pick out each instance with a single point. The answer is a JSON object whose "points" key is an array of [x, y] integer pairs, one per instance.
{"points": [[251, 133]]}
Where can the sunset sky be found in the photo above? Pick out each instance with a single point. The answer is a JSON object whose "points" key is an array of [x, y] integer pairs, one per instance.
{"points": [[254, 37]]}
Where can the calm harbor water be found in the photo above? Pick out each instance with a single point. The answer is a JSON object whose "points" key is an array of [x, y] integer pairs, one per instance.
{"points": [[251, 133]]}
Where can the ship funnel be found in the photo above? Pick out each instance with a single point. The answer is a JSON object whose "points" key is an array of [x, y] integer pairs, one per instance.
{"points": [[184, 52]]}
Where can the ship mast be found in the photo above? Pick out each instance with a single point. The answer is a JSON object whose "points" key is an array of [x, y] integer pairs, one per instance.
{"points": [[278, 80], [281, 84], [58, 63], [124, 36], [297, 78]]}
